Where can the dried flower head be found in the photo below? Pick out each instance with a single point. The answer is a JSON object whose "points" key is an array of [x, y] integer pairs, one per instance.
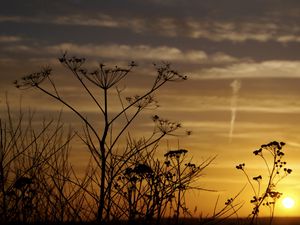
{"points": [[33, 79]]}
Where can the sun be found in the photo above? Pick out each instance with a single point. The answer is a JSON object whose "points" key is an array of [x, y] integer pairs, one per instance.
{"points": [[288, 202]]}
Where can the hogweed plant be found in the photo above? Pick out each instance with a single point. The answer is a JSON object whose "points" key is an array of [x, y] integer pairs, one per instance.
{"points": [[265, 193], [104, 136]]}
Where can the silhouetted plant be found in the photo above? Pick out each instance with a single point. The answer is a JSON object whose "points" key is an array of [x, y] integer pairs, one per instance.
{"points": [[32, 162], [267, 195], [108, 161], [154, 189], [221, 215]]}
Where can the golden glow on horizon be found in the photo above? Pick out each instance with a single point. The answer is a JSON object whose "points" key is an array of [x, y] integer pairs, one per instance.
{"points": [[288, 202]]}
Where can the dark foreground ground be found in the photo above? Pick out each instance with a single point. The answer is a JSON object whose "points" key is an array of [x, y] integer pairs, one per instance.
{"points": [[262, 221]]}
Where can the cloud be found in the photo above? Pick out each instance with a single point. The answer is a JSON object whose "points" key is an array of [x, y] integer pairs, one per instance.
{"points": [[144, 52], [126, 52], [288, 38], [264, 69], [9, 39], [19, 48], [201, 65], [212, 29], [137, 52], [101, 20], [231, 31], [223, 125], [248, 102], [98, 20]]}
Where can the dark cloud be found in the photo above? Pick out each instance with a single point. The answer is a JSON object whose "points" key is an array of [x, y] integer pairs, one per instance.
{"points": [[213, 9], [217, 21]]}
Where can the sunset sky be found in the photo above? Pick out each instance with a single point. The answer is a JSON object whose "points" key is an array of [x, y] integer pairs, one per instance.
{"points": [[242, 59]]}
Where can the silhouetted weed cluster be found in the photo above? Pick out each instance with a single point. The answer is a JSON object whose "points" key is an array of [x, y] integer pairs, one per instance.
{"points": [[265, 194]]}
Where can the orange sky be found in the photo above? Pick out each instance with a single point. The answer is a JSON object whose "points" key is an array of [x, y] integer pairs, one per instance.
{"points": [[214, 43]]}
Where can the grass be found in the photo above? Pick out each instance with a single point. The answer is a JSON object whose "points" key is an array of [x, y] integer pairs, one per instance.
{"points": [[191, 221]]}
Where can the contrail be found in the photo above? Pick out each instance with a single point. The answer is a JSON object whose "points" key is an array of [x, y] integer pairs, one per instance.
{"points": [[236, 86]]}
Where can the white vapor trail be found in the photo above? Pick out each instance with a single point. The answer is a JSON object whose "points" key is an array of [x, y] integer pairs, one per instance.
{"points": [[236, 86]]}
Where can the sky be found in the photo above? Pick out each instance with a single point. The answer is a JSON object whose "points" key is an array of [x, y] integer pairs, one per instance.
{"points": [[241, 58]]}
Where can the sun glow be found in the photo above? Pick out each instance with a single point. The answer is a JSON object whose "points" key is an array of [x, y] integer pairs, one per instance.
{"points": [[288, 202]]}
